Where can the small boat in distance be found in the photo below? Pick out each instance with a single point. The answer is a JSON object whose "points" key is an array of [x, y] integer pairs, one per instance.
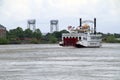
{"points": [[82, 36]]}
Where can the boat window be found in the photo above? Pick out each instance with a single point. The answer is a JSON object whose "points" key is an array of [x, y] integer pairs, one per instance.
{"points": [[79, 38], [95, 37], [84, 38]]}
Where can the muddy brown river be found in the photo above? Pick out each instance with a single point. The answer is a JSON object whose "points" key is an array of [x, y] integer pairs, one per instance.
{"points": [[53, 62]]}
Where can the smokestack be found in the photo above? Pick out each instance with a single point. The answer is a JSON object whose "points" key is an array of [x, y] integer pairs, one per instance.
{"points": [[80, 22], [94, 25]]}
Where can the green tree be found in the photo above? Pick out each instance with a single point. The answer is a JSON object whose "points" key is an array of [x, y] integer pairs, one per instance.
{"points": [[117, 35], [37, 34], [64, 31], [15, 33], [28, 33], [19, 32], [110, 38], [52, 39], [4, 41], [58, 34], [11, 34]]}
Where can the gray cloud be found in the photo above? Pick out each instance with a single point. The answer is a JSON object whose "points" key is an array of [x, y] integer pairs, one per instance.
{"points": [[16, 13]]}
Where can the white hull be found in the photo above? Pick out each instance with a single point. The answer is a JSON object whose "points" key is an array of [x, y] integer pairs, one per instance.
{"points": [[83, 40], [88, 44]]}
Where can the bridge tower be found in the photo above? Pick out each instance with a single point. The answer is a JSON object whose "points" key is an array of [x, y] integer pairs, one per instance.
{"points": [[53, 25], [32, 23]]}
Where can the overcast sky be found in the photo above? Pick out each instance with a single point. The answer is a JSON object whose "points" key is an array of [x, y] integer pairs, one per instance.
{"points": [[14, 13]]}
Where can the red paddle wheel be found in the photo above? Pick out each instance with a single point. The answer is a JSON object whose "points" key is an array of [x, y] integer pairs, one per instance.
{"points": [[70, 41]]}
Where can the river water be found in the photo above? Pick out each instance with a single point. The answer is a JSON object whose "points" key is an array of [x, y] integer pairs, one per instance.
{"points": [[53, 62]]}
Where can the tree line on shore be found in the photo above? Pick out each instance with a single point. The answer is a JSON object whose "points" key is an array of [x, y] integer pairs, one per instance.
{"points": [[111, 38], [27, 36]]}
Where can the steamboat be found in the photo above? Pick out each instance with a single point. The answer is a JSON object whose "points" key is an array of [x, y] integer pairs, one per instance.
{"points": [[82, 36]]}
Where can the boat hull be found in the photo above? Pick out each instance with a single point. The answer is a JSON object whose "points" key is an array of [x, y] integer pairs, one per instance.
{"points": [[78, 45]]}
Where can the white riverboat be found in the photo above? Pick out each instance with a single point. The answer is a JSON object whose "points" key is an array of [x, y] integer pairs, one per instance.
{"points": [[82, 36]]}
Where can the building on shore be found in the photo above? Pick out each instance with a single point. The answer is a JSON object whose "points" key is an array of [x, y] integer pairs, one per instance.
{"points": [[2, 31]]}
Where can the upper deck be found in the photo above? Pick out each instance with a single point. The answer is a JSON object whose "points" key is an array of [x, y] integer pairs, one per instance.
{"points": [[80, 34]]}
